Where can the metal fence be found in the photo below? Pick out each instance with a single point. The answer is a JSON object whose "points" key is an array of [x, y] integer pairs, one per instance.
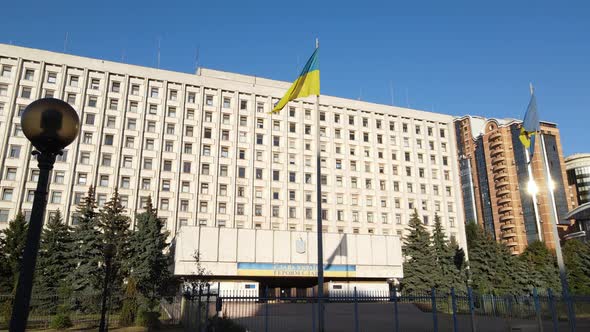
{"points": [[388, 311], [83, 310]]}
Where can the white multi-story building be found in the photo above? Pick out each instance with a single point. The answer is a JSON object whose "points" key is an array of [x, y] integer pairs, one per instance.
{"points": [[207, 151]]}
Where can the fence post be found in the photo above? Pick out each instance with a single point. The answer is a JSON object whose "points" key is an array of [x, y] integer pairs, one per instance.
{"points": [[266, 310], [537, 309], [454, 304], [471, 310], [199, 325], [552, 308], [571, 313], [206, 325], [395, 311], [434, 317], [312, 310], [356, 312]]}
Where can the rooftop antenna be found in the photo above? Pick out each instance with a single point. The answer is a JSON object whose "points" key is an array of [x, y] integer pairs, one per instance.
{"points": [[360, 93], [197, 59], [159, 41], [391, 91], [66, 42]]}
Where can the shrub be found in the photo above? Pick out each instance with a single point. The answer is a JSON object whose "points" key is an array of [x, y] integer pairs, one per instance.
{"points": [[128, 312], [224, 324], [149, 319], [60, 322]]}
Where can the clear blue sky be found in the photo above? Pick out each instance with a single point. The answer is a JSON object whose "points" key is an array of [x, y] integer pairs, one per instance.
{"points": [[455, 57]]}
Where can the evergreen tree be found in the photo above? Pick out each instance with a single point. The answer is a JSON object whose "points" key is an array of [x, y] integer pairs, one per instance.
{"points": [[444, 256], [541, 266], [420, 273], [88, 246], [459, 277], [493, 269], [12, 244], [115, 228], [149, 263], [55, 261], [576, 256]]}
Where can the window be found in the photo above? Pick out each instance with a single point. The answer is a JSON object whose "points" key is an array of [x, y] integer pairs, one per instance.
{"points": [[29, 74], [226, 102], [3, 90], [204, 188], [145, 183], [127, 161], [135, 89], [154, 92], [223, 170], [129, 141], [85, 158], [170, 128], [71, 98], [116, 87], [7, 71], [260, 107], [205, 169], [203, 207], [209, 100], [147, 163], [104, 181], [82, 177], [258, 173], [164, 204], [185, 187], [165, 185], [186, 167], [241, 172], [125, 182], [113, 104], [259, 139], [188, 148], [49, 93], [7, 194], [184, 205], [191, 97], [108, 139], [59, 176], [190, 114], [173, 95], [10, 174], [25, 92], [167, 165], [133, 106], [131, 124], [243, 104]]}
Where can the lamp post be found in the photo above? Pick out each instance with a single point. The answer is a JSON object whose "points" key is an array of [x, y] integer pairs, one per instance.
{"points": [[109, 252], [51, 125]]}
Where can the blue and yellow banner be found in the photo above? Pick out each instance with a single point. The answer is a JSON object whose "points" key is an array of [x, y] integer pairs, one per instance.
{"points": [[530, 126], [307, 84], [294, 270]]}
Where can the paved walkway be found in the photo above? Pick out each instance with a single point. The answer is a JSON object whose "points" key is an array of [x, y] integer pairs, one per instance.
{"points": [[374, 317]]}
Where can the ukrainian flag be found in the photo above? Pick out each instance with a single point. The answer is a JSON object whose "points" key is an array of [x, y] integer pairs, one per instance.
{"points": [[530, 126], [307, 84]]}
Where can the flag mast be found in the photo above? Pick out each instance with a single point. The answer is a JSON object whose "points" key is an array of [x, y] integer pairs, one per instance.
{"points": [[532, 185], [319, 211]]}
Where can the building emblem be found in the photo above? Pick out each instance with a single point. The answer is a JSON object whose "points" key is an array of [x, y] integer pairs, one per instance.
{"points": [[300, 246]]}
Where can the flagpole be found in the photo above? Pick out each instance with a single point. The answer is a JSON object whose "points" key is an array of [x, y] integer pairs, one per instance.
{"points": [[319, 212], [532, 182], [553, 215]]}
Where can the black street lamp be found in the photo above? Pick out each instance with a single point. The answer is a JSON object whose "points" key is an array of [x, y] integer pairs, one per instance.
{"points": [[51, 125], [109, 252]]}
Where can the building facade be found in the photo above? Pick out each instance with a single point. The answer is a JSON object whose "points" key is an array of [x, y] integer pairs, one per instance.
{"points": [[497, 189], [206, 150], [578, 176]]}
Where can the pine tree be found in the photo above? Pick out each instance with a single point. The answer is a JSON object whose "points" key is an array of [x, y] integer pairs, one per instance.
{"points": [[88, 246], [491, 264], [459, 276], [542, 266], [420, 273], [115, 228], [576, 256], [149, 263], [444, 256], [55, 261], [12, 244]]}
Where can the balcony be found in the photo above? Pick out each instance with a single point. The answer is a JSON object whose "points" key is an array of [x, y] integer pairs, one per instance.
{"points": [[508, 226], [508, 235], [502, 192], [498, 167], [501, 175], [511, 243], [505, 209], [506, 218], [498, 159], [495, 143], [501, 184], [504, 200], [495, 135], [495, 152]]}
